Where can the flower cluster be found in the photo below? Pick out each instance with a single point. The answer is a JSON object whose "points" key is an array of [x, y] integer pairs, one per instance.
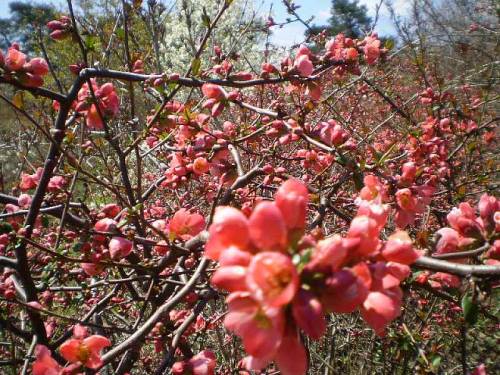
{"points": [[217, 98], [109, 104], [61, 28], [281, 280], [15, 66], [468, 231]]}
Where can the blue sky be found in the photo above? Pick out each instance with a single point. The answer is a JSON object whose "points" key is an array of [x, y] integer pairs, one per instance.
{"points": [[292, 33]]}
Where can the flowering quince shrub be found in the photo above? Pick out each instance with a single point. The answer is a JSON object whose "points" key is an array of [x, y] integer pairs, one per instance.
{"points": [[286, 216], [282, 280]]}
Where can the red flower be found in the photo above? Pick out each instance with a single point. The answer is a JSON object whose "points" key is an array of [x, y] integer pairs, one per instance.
{"points": [[267, 227], [399, 249], [44, 363], [272, 279], [186, 225], [85, 350], [15, 59], [303, 65], [381, 307], [260, 328], [229, 228], [308, 314], [292, 198]]}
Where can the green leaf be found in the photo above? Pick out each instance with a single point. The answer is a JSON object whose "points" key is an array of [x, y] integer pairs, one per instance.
{"points": [[5, 228], [91, 42], [45, 221], [195, 66], [389, 44], [436, 362], [205, 18], [120, 33], [470, 309], [300, 260], [384, 157]]}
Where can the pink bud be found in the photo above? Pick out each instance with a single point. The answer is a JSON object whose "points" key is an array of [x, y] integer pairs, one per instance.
{"points": [[37, 66], [30, 80], [55, 25], [267, 227], [292, 198], [229, 228], [212, 91], [59, 34], [119, 247]]}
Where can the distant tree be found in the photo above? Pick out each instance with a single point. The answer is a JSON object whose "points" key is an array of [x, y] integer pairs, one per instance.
{"points": [[347, 17], [21, 26]]}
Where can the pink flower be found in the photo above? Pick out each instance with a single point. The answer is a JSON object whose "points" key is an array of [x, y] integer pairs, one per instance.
{"points": [[291, 357], [267, 227], [105, 225], [372, 49], [24, 200], [408, 208], [231, 278], [308, 314], [344, 292], [260, 328], [119, 247], [213, 91], [232, 256], [480, 370], [366, 230], [399, 248], [203, 363], [92, 269], [303, 65], [448, 241], [328, 255], [200, 166], [30, 181], [446, 280], [186, 225], [229, 228], [111, 210], [108, 101], [44, 363], [381, 307], [292, 198], [332, 133], [83, 349], [463, 220], [487, 206], [373, 190], [15, 59], [272, 278], [37, 66], [56, 183]]}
